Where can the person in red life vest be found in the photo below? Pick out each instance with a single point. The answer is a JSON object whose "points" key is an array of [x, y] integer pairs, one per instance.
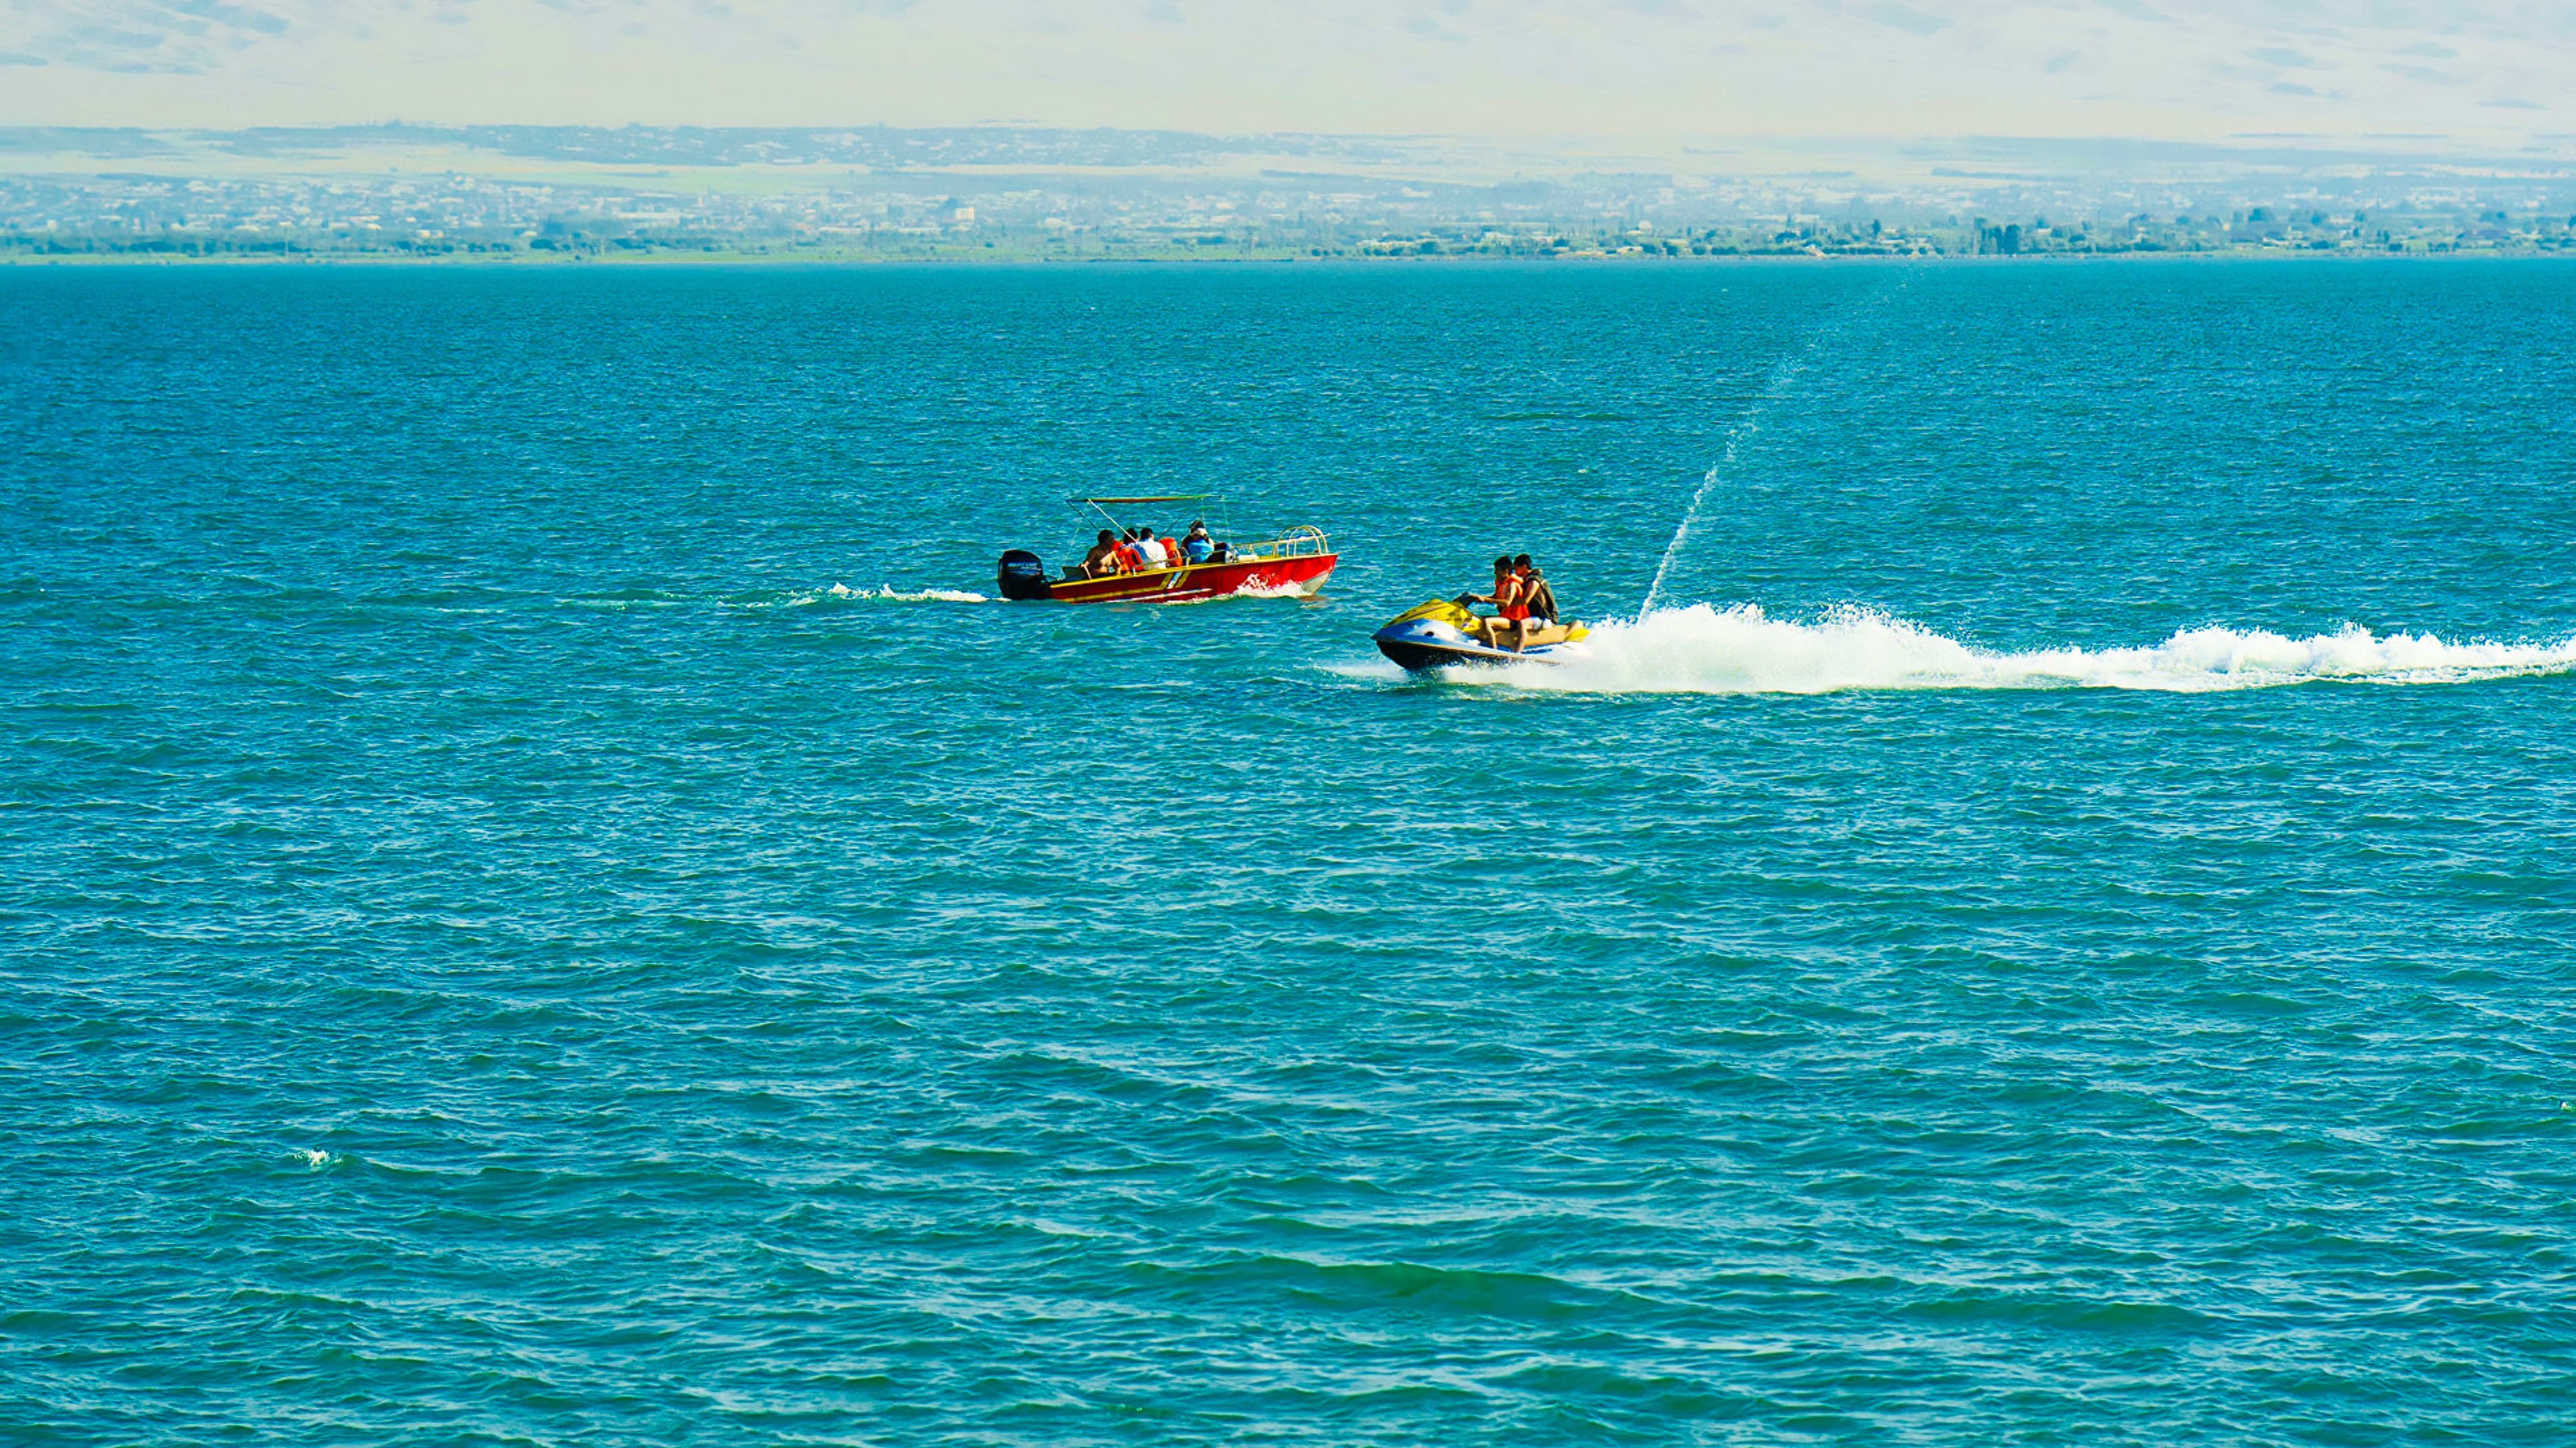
{"points": [[1510, 607], [1130, 558]]}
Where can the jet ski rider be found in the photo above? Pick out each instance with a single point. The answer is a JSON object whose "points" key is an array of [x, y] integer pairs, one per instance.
{"points": [[1521, 598], [1510, 606]]}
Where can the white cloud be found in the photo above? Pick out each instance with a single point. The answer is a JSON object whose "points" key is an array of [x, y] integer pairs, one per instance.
{"points": [[2167, 68]]}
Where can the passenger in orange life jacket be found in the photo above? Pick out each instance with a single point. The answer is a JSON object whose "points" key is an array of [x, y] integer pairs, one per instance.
{"points": [[1128, 557], [1509, 606], [1172, 553]]}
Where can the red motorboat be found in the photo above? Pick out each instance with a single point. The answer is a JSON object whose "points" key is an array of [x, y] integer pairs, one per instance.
{"points": [[1293, 564]]}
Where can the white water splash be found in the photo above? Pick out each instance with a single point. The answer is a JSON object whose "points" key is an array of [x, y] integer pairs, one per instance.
{"points": [[1741, 650], [1272, 590], [886, 594]]}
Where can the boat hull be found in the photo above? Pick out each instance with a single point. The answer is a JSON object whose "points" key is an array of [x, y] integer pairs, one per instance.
{"points": [[1299, 573]]}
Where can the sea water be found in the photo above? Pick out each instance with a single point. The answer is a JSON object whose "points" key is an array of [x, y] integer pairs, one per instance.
{"points": [[544, 904]]}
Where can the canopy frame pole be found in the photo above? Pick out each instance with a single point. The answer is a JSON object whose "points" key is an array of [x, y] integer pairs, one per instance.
{"points": [[1114, 525], [1097, 505]]}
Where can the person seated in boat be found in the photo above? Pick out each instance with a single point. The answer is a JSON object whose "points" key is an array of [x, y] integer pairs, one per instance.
{"points": [[1102, 560], [1196, 546], [1149, 549]]}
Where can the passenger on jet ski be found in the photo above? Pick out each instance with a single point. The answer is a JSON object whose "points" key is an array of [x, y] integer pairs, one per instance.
{"points": [[1535, 593], [1522, 599]]}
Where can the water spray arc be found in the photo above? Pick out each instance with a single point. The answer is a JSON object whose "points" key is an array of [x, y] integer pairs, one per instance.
{"points": [[1773, 391], [1781, 377]]}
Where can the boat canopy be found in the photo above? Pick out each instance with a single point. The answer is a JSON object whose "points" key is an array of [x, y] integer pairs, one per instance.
{"points": [[1103, 505]]}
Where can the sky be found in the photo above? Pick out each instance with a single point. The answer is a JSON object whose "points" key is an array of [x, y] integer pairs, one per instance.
{"points": [[2493, 73]]}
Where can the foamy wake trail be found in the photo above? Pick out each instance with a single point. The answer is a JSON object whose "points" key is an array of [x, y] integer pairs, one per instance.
{"points": [[1701, 650], [890, 595]]}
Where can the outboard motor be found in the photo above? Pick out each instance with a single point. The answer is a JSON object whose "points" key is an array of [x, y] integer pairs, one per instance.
{"points": [[1021, 575]]}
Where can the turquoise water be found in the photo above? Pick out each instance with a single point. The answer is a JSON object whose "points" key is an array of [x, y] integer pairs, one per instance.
{"points": [[541, 908]]}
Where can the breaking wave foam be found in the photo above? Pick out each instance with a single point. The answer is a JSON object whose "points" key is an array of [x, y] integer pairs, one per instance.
{"points": [[1702, 650]]}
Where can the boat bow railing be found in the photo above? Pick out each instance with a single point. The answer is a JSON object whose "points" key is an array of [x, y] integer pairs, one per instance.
{"points": [[1303, 541]]}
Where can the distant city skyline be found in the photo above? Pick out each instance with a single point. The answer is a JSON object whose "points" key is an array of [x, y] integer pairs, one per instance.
{"points": [[2490, 74], [1004, 193]]}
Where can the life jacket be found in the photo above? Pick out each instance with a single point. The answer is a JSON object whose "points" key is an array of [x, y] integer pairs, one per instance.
{"points": [[1540, 597], [1130, 558], [1511, 598], [1172, 552]]}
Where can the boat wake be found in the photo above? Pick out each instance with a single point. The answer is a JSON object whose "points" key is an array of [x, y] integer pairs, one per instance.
{"points": [[882, 593], [1742, 650]]}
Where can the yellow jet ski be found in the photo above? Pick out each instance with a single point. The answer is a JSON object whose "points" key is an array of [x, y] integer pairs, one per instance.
{"points": [[1439, 634]]}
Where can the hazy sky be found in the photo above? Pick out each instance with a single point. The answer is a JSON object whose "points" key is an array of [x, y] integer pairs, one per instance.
{"points": [[2496, 71]]}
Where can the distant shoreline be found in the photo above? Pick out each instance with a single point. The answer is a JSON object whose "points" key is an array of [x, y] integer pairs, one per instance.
{"points": [[963, 260], [1013, 195]]}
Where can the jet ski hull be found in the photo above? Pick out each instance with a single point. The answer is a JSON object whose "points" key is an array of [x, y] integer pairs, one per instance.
{"points": [[1435, 636]]}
